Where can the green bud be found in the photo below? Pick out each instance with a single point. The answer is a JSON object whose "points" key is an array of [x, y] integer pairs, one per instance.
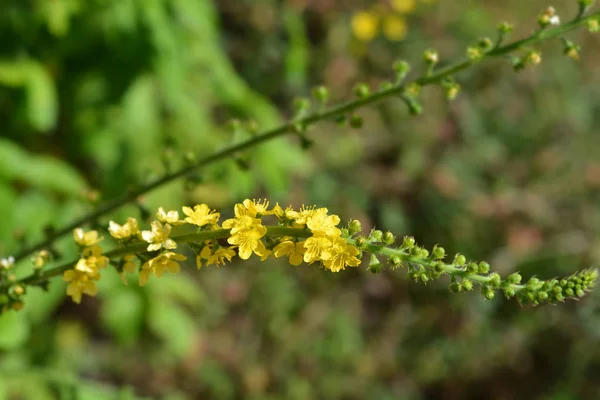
{"points": [[431, 56], [386, 85], [414, 108], [569, 292], [408, 242], [474, 53], [593, 25], [389, 238], [488, 292], [402, 69], [495, 280], [472, 268], [422, 253], [361, 241], [395, 261], [455, 287], [505, 28], [467, 285], [301, 104], [438, 252], [438, 268], [362, 91], [559, 297], [484, 268], [321, 94], [485, 44], [374, 264], [509, 292], [563, 282], [580, 293], [460, 260], [514, 278], [376, 235], [354, 226], [533, 283], [356, 121], [543, 296]]}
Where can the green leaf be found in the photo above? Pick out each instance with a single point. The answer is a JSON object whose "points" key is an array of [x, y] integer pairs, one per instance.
{"points": [[123, 313], [14, 330]]}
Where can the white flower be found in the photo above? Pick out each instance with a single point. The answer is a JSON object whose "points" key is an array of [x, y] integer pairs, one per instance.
{"points": [[7, 262], [554, 20]]}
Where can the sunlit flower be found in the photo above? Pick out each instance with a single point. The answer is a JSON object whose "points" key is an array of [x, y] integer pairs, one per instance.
{"points": [[83, 238], [258, 207], [217, 257], [80, 282], [342, 255], [248, 241], [317, 248], [125, 231], [295, 251], [395, 27], [167, 260], [159, 237], [365, 25], [201, 215], [320, 223], [171, 217]]}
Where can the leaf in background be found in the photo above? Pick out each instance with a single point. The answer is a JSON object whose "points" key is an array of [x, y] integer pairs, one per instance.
{"points": [[14, 330], [173, 326], [123, 314], [39, 170]]}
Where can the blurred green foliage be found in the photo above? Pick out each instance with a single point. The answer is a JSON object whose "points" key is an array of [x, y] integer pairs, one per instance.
{"points": [[100, 95]]}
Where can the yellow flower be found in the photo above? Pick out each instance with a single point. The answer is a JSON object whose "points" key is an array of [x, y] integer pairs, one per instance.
{"points": [[40, 259], [342, 255], [159, 237], [245, 218], [317, 248], [201, 215], [83, 238], [95, 257], [80, 283], [171, 217], [129, 267], [167, 260], [394, 27], [403, 6], [248, 241], [257, 207], [321, 224], [125, 231], [295, 251], [365, 25], [216, 258]]}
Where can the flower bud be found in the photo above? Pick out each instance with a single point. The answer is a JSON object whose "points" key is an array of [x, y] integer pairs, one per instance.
{"points": [[354, 226], [402, 69], [362, 91], [374, 264], [431, 56], [460, 260], [408, 242], [484, 268], [514, 278], [467, 285], [321, 94], [438, 252], [389, 238]]}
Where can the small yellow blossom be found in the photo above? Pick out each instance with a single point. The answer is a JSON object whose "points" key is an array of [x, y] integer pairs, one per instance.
{"points": [[80, 282], [125, 231], [295, 251], [83, 238], [167, 260], [317, 248], [342, 255], [403, 6], [258, 207], [248, 241], [40, 259], [365, 25], [217, 257], [171, 217], [321, 224], [129, 267], [159, 237], [92, 260], [395, 27], [201, 215]]}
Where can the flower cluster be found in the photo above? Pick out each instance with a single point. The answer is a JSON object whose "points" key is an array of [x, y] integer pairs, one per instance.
{"points": [[82, 278], [309, 235]]}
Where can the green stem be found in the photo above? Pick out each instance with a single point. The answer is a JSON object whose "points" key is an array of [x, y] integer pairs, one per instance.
{"points": [[331, 113]]}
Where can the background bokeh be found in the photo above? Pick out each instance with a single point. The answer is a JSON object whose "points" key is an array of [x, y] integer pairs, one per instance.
{"points": [[99, 96]]}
